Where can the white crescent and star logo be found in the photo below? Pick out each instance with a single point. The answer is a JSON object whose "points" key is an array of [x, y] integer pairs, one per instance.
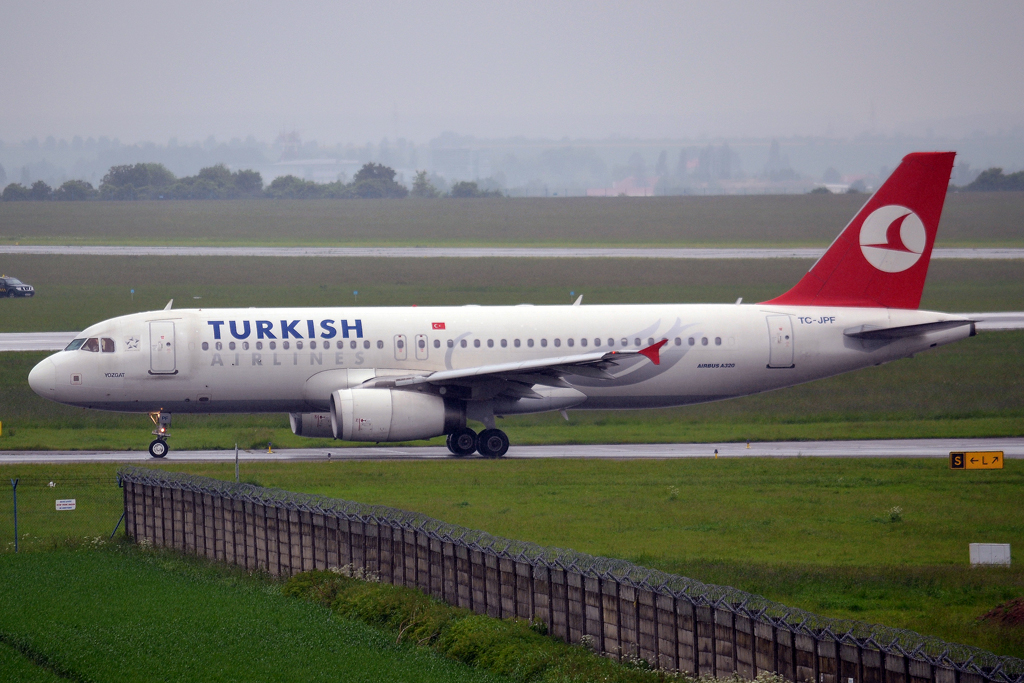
{"points": [[892, 238]]}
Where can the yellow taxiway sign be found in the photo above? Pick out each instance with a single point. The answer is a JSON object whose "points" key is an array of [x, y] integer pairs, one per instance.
{"points": [[977, 460]]}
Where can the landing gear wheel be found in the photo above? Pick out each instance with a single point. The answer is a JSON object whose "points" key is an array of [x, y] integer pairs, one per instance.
{"points": [[462, 442], [158, 448], [492, 443]]}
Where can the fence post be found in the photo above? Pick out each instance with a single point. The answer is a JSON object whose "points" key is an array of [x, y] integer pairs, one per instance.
{"points": [[618, 618], [14, 488], [134, 533], [551, 603]]}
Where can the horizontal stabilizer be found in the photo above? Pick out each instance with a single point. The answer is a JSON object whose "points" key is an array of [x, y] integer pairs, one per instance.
{"points": [[872, 332]]}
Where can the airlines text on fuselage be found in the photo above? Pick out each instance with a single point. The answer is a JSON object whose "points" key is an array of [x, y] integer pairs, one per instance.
{"points": [[287, 329]]}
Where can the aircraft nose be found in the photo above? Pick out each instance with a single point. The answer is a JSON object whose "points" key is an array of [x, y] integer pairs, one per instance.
{"points": [[43, 378]]}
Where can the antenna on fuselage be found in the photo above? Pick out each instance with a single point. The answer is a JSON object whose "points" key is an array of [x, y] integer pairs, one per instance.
{"points": [[168, 306], [579, 300]]}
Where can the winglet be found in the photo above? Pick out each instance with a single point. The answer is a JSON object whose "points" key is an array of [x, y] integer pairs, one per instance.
{"points": [[652, 351]]}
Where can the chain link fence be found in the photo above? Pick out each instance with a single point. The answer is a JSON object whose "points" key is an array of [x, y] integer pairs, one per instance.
{"points": [[41, 512]]}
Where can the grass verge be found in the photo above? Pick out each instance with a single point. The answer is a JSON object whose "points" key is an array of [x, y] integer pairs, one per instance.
{"points": [[128, 615], [513, 648]]}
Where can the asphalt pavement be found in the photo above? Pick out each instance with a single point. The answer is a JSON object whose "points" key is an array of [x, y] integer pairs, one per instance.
{"points": [[1013, 448], [475, 252]]}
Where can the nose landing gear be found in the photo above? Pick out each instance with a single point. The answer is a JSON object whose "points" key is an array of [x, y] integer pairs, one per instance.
{"points": [[158, 447]]}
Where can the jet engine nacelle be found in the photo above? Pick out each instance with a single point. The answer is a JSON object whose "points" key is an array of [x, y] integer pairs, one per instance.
{"points": [[316, 425], [393, 415]]}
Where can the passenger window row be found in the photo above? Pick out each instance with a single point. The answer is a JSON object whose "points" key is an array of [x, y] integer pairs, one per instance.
{"points": [[286, 345], [557, 342], [366, 344]]}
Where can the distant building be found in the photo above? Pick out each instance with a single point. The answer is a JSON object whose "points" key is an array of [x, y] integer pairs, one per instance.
{"points": [[318, 170], [627, 187]]}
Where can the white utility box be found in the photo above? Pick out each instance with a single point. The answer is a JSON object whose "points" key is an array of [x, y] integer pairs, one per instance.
{"points": [[990, 553]]}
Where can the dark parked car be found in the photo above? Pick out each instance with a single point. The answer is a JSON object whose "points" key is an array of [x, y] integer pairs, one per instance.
{"points": [[12, 286]]}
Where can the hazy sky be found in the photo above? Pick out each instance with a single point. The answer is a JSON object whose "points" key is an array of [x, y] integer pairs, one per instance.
{"points": [[347, 71]]}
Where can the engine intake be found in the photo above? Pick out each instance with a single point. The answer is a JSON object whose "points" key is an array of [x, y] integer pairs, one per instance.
{"points": [[393, 415]]}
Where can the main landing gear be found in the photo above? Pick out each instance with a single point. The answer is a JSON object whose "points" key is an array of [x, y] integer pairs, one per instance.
{"points": [[158, 447], [490, 443]]}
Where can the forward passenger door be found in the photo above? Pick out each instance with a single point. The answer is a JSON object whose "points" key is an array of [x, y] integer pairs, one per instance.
{"points": [[162, 360]]}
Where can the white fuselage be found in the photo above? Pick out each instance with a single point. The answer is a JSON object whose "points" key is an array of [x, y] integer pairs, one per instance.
{"points": [[291, 359]]}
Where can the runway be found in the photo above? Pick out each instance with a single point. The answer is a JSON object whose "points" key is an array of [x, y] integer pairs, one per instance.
{"points": [[892, 448], [55, 341], [35, 341], [476, 252]]}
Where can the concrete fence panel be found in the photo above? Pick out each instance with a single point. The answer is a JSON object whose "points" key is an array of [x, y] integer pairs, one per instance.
{"points": [[622, 610]]}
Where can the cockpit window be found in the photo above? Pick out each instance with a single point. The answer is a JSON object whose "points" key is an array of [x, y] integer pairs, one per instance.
{"points": [[74, 345], [91, 344], [107, 345]]}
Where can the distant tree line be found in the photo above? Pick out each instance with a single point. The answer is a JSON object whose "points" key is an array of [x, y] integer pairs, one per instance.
{"points": [[155, 181], [993, 180]]}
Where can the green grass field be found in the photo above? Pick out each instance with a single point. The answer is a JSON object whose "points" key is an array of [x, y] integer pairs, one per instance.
{"points": [[969, 219], [128, 616], [812, 533]]}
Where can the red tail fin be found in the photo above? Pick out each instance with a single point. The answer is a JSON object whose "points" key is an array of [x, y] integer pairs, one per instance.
{"points": [[881, 258]]}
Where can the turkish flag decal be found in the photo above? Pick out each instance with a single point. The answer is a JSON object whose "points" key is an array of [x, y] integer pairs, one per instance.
{"points": [[437, 326]]}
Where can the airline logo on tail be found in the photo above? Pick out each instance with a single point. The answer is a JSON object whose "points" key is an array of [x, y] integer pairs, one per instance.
{"points": [[892, 238]]}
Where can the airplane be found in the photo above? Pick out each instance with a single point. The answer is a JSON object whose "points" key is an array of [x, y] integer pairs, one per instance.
{"points": [[392, 374]]}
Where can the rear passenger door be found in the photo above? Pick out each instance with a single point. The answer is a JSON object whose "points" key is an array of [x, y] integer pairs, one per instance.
{"points": [[780, 340]]}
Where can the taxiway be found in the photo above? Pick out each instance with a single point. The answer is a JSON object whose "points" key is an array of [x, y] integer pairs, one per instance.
{"points": [[1013, 448]]}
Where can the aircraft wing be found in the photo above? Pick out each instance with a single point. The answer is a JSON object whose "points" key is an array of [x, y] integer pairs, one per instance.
{"points": [[544, 371]]}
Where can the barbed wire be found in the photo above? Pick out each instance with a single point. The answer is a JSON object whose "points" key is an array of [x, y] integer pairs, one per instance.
{"points": [[885, 639]]}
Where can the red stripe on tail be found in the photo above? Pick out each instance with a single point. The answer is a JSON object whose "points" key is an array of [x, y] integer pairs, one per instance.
{"points": [[880, 260]]}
